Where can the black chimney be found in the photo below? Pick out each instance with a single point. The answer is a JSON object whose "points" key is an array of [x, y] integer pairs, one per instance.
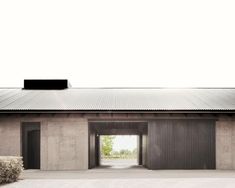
{"points": [[50, 84]]}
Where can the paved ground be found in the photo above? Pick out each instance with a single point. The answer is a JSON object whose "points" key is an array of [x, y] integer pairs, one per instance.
{"points": [[118, 163], [135, 177], [126, 183]]}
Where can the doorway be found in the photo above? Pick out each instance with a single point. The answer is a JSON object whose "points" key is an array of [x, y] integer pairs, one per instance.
{"points": [[118, 151], [30, 145], [117, 157]]}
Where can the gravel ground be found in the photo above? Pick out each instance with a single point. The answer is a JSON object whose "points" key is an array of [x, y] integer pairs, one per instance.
{"points": [[126, 183], [135, 177]]}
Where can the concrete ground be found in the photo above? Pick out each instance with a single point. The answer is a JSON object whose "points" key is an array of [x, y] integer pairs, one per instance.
{"points": [[134, 176], [118, 163]]}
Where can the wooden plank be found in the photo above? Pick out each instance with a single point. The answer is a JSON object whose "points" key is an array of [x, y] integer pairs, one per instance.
{"points": [[181, 144]]}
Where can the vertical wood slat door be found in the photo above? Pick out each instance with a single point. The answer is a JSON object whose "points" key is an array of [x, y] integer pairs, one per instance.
{"points": [[181, 144]]}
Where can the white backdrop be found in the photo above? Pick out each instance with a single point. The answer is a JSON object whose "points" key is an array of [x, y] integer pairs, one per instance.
{"points": [[107, 43]]}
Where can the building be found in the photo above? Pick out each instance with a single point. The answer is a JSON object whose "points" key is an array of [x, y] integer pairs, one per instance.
{"points": [[55, 127]]}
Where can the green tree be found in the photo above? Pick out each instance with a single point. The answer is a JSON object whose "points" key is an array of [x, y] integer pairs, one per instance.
{"points": [[107, 145]]}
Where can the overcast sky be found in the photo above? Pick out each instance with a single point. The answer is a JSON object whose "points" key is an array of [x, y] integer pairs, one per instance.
{"points": [[125, 142], [178, 43]]}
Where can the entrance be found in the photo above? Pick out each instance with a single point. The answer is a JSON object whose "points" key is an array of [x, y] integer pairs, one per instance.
{"points": [[118, 151], [117, 158], [31, 145]]}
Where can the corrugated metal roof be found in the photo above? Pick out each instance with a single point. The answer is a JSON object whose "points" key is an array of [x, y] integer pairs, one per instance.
{"points": [[117, 99]]}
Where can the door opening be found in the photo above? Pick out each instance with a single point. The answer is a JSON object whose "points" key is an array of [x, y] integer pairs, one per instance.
{"points": [[118, 151], [30, 144], [127, 140]]}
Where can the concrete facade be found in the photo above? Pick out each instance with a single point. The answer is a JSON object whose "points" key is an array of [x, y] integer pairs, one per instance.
{"points": [[64, 141], [64, 145], [225, 144], [9, 137], [64, 138]]}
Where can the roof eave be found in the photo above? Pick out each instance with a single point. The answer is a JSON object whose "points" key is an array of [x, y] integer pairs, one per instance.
{"points": [[204, 111]]}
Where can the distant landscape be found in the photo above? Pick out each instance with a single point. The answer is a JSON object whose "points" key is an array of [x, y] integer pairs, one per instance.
{"points": [[108, 151]]}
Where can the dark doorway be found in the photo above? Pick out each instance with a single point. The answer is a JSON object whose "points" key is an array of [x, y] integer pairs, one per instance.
{"points": [[31, 145]]}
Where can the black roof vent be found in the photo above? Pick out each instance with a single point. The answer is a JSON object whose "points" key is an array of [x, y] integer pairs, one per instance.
{"points": [[46, 84]]}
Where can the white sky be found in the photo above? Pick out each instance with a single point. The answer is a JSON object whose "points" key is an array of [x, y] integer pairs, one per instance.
{"points": [[125, 142], [169, 43]]}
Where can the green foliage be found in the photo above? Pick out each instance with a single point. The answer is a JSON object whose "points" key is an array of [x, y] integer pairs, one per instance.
{"points": [[107, 145], [122, 154], [125, 152]]}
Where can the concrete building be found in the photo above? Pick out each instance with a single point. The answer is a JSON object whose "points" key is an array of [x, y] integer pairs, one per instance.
{"points": [[55, 127]]}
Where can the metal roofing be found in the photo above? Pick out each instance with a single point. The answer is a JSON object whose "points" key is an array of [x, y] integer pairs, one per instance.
{"points": [[117, 99]]}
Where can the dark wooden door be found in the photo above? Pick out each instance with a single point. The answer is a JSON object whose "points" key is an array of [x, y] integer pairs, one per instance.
{"points": [[181, 144], [30, 141], [34, 149]]}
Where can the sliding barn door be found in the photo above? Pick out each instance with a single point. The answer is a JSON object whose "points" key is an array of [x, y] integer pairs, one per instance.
{"points": [[181, 144]]}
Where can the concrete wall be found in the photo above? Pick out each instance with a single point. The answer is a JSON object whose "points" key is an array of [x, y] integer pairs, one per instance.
{"points": [[9, 137], [225, 144], [64, 145], [64, 140]]}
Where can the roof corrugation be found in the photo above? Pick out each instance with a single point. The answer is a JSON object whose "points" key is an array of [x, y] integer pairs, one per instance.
{"points": [[117, 99]]}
